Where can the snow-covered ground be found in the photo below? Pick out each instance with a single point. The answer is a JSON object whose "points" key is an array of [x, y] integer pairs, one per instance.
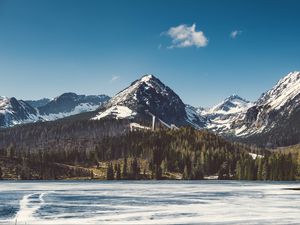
{"points": [[254, 156], [149, 202], [83, 107], [134, 126]]}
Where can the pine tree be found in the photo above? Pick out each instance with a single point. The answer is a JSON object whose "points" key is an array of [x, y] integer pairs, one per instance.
{"points": [[135, 170], [118, 172], [239, 171], [124, 175], [197, 173], [223, 173], [259, 168], [186, 174], [110, 172], [164, 166], [265, 171], [158, 172]]}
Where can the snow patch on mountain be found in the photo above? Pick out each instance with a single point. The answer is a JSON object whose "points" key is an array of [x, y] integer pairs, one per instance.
{"points": [[118, 112]]}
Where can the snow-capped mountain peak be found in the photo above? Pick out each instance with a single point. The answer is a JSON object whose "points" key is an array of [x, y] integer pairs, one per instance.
{"points": [[223, 115], [147, 78], [149, 94], [232, 104], [138, 87]]}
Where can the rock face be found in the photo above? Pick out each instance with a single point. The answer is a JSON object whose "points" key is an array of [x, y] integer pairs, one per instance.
{"points": [[14, 112], [149, 95]]}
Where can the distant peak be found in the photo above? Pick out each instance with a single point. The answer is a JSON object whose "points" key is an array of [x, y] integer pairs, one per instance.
{"points": [[66, 95], [69, 94], [234, 97], [150, 76]]}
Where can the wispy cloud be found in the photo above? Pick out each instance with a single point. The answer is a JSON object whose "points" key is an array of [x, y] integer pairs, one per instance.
{"points": [[114, 78], [184, 36], [235, 33]]}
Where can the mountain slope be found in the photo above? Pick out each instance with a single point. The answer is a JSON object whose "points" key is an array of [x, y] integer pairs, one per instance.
{"points": [[274, 119], [13, 112], [149, 95], [273, 107]]}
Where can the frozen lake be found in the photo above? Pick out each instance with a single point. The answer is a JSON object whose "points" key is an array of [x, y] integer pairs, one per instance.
{"points": [[149, 202]]}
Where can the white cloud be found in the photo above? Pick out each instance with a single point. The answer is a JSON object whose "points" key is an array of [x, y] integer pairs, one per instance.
{"points": [[235, 33], [184, 36], [114, 78]]}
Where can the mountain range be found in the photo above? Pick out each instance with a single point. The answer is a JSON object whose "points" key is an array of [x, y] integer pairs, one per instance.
{"points": [[16, 112], [262, 121]]}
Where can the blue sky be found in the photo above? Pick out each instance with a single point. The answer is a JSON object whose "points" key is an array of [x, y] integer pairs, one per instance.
{"points": [[204, 50]]}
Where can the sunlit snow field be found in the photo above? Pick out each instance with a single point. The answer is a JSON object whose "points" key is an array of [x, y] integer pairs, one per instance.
{"points": [[149, 202]]}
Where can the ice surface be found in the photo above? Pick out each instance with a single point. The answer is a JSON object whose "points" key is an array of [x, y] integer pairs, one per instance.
{"points": [[149, 202]]}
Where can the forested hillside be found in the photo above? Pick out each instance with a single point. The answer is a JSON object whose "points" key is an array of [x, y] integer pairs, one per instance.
{"points": [[61, 134], [163, 154]]}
